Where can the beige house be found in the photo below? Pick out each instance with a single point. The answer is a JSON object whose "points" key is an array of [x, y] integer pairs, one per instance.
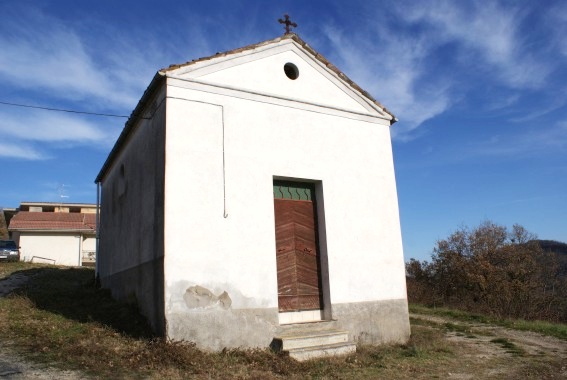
{"points": [[251, 192], [55, 233]]}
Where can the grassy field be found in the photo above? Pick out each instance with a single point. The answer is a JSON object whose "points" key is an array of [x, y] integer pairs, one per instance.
{"points": [[61, 318], [541, 327]]}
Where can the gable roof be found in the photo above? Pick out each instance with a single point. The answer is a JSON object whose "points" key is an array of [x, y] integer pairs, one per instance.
{"points": [[53, 221], [160, 76], [305, 46]]}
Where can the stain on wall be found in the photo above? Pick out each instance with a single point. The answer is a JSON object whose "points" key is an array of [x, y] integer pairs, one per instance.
{"points": [[198, 297]]}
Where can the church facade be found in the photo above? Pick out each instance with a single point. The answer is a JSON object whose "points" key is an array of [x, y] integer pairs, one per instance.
{"points": [[251, 192]]}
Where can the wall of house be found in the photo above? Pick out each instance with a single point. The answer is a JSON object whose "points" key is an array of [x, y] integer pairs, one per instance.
{"points": [[130, 259], [89, 242], [59, 248], [223, 151], [88, 253]]}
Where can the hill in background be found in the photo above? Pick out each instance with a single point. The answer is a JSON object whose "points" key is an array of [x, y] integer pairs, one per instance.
{"points": [[553, 246]]}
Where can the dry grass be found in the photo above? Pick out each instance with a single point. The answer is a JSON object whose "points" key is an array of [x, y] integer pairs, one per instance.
{"points": [[7, 268], [62, 319], [558, 330]]}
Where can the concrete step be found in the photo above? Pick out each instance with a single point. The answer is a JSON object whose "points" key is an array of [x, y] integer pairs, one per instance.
{"points": [[312, 338], [304, 344], [307, 327], [307, 353]]}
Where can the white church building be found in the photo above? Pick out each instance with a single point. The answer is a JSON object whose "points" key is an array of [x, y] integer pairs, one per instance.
{"points": [[251, 198]]}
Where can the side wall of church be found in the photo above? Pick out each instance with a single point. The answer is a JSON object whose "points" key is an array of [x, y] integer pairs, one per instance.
{"points": [[130, 257]]}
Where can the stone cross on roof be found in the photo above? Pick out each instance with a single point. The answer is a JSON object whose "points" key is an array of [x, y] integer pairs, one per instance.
{"points": [[287, 23]]}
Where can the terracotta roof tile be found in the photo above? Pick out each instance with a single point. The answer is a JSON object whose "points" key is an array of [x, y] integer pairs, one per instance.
{"points": [[53, 221]]}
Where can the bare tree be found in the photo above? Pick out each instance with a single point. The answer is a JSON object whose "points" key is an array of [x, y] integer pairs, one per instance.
{"points": [[491, 270]]}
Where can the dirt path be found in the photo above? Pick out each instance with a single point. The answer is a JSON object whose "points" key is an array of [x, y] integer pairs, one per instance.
{"points": [[493, 352], [466, 350], [12, 366]]}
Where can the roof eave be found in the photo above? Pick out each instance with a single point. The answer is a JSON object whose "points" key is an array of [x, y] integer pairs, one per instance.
{"points": [[62, 204], [158, 78], [340, 74], [18, 229]]}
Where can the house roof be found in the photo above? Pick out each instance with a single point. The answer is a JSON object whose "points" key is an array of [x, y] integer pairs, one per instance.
{"points": [[85, 205], [160, 76], [52, 221]]}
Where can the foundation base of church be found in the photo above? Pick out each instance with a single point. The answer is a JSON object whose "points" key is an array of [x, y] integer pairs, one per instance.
{"points": [[376, 322], [141, 284], [216, 329]]}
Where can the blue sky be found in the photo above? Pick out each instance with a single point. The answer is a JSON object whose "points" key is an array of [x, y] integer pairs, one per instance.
{"points": [[479, 87]]}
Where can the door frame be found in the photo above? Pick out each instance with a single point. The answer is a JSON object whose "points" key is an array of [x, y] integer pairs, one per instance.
{"points": [[319, 203]]}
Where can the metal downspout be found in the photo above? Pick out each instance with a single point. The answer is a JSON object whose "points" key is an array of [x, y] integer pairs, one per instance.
{"points": [[97, 228], [80, 248]]}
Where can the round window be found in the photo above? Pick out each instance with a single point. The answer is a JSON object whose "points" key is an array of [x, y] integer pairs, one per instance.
{"points": [[291, 71]]}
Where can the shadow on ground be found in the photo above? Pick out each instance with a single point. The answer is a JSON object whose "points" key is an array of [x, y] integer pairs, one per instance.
{"points": [[73, 293]]}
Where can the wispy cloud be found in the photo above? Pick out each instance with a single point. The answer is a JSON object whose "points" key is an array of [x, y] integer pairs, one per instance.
{"points": [[391, 70], [11, 149], [34, 134], [483, 44], [50, 127], [489, 34], [521, 144], [556, 20], [88, 66], [55, 58], [61, 65]]}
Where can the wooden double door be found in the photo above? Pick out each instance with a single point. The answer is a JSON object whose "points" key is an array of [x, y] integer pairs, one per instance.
{"points": [[297, 250]]}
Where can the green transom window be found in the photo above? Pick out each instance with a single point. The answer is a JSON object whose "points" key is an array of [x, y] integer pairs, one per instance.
{"points": [[294, 190]]}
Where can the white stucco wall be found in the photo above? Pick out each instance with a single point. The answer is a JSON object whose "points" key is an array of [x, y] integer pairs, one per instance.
{"points": [[62, 248], [89, 243], [131, 218], [265, 137], [264, 73]]}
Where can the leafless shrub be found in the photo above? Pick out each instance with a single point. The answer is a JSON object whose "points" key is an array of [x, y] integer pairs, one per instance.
{"points": [[492, 270]]}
